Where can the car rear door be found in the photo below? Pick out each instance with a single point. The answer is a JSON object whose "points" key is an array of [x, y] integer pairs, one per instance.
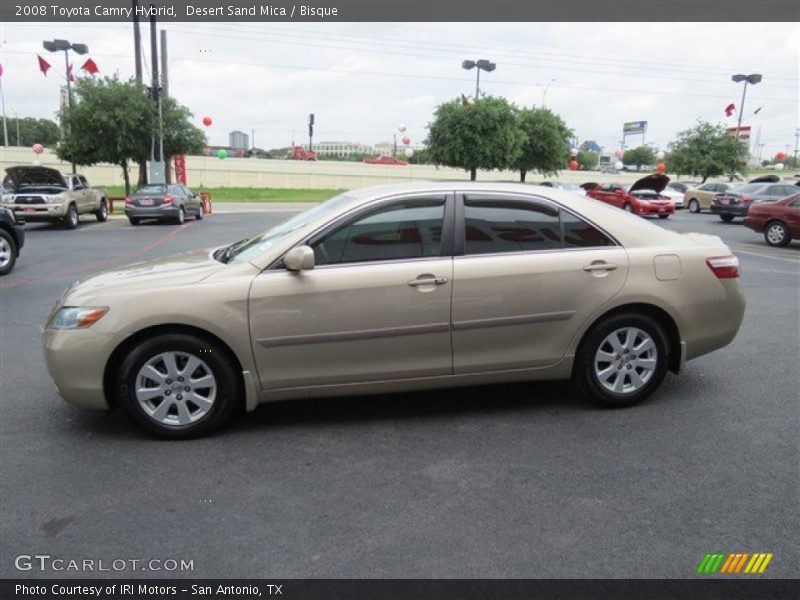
{"points": [[375, 307], [527, 274]]}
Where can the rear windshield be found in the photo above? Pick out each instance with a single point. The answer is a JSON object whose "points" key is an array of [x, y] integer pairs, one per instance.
{"points": [[152, 189]]}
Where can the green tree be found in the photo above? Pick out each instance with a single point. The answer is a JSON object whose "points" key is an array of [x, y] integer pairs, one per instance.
{"points": [[643, 155], [480, 135], [705, 151], [32, 131], [587, 160], [180, 135], [545, 143]]}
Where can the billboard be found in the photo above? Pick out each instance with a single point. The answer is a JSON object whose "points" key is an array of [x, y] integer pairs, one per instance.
{"points": [[634, 127]]}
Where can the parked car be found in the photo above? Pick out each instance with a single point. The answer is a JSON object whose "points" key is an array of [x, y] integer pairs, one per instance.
{"points": [[384, 160], [397, 287], [779, 221], [12, 238], [44, 194], [675, 191], [565, 186], [700, 198], [171, 203], [642, 198], [735, 202]]}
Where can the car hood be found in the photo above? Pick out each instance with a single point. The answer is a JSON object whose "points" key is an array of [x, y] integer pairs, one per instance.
{"points": [[166, 272], [655, 182], [34, 175]]}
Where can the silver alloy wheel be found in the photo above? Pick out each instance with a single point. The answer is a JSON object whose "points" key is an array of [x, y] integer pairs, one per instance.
{"points": [[73, 215], [776, 233], [103, 209], [176, 388], [625, 360], [5, 252], [181, 215], [694, 206], [628, 207]]}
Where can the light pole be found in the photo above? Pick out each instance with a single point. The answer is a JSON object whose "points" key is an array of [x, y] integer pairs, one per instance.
{"points": [[752, 79], [544, 89], [479, 65], [16, 119], [65, 46]]}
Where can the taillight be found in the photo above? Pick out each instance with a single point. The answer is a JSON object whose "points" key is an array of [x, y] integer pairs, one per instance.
{"points": [[168, 200], [746, 199], [128, 201], [724, 267]]}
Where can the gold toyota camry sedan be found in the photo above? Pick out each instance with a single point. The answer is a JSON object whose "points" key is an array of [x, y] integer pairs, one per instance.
{"points": [[395, 288]]}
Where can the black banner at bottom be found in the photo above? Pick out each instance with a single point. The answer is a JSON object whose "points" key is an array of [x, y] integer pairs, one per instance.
{"points": [[400, 589]]}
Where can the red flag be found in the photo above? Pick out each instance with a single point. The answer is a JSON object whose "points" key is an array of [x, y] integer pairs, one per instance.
{"points": [[729, 110], [70, 76], [758, 110], [44, 66], [90, 67]]}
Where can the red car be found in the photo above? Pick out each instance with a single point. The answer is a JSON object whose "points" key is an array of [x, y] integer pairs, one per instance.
{"points": [[642, 198], [384, 160], [779, 220]]}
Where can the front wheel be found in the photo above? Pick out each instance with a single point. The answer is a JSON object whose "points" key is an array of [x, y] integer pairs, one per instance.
{"points": [[101, 214], [777, 234], [663, 216], [628, 207], [178, 385], [622, 360], [8, 252], [134, 220], [726, 218], [694, 206], [71, 218]]}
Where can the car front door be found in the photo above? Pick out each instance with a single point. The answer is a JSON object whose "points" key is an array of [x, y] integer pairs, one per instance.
{"points": [[527, 274], [375, 307]]}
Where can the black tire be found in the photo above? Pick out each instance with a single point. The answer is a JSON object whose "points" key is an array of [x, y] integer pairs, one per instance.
{"points": [[8, 252], [776, 233], [71, 219], [101, 214], [181, 218], [218, 359], [663, 216], [694, 206], [199, 215], [584, 372], [134, 220], [727, 218], [628, 207]]}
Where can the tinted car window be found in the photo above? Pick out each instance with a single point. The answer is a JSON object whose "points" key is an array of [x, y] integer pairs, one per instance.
{"points": [[580, 234], [750, 188], [407, 229], [709, 187], [510, 226], [151, 189]]}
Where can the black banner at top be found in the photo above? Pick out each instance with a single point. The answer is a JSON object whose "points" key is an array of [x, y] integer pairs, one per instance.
{"points": [[402, 10]]}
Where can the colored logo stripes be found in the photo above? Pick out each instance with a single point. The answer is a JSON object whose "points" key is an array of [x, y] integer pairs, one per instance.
{"points": [[736, 562]]}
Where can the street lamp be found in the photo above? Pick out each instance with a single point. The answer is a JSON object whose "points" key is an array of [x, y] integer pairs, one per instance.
{"points": [[65, 46], [544, 89], [752, 79], [482, 65]]}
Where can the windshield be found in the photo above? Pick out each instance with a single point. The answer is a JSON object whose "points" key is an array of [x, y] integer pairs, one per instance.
{"points": [[260, 243], [152, 189]]}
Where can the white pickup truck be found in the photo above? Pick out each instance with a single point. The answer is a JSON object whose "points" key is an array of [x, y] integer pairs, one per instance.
{"points": [[38, 193]]}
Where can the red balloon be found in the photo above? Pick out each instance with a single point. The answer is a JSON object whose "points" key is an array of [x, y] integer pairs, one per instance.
{"points": [[207, 121], [780, 155], [406, 140], [661, 167], [573, 165]]}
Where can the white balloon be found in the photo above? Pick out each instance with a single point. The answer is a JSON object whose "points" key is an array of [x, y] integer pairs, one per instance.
{"points": [[37, 163], [661, 155], [409, 152], [618, 165], [402, 128], [573, 152], [779, 166]]}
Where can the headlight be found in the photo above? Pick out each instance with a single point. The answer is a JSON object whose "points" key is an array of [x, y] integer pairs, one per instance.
{"points": [[77, 317], [8, 198]]}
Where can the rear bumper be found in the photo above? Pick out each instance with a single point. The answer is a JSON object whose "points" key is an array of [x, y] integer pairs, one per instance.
{"points": [[736, 210], [152, 212]]}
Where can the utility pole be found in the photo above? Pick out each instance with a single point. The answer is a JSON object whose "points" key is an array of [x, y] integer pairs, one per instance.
{"points": [[157, 148], [796, 143], [165, 92], [137, 51], [310, 131], [3, 100]]}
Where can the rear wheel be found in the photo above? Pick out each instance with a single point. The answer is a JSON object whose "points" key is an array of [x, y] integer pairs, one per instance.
{"points": [[8, 252], [694, 206], [178, 385], [776, 233], [663, 216], [102, 213], [622, 360], [726, 218], [199, 215], [181, 218], [134, 220], [71, 218]]}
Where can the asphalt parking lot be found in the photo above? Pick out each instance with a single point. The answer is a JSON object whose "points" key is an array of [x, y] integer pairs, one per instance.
{"points": [[510, 481]]}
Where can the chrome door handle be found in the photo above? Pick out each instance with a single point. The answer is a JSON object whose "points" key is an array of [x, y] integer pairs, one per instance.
{"points": [[600, 267], [428, 281]]}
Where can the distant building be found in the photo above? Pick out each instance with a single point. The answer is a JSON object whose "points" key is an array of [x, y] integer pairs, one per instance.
{"points": [[238, 139], [590, 146], [338, 148]]}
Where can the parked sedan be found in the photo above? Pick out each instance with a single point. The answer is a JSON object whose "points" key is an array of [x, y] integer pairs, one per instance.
{"points": [[398, 287], [736, 202], [675, 192], [700, 198], [644, 197], [172, 203], [779, 221]]}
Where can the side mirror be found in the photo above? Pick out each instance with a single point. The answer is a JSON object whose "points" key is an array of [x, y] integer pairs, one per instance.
{"points": [[299, 258]]}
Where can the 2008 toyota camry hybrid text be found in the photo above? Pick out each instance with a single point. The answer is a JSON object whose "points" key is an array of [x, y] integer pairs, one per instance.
{"points": [[395, 288]]}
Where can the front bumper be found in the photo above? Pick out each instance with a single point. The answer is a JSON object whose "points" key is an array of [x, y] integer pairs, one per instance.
{"points": [[756, 225], [37, 212], [657, 209], [737, 210], [19, 232], [76, 361]]}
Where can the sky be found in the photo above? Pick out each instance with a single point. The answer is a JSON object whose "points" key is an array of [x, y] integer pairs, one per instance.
{"points": [[362, 80]]}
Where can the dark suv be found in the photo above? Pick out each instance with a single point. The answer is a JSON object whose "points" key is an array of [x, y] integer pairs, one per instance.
{"points": [[12, 238]]}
